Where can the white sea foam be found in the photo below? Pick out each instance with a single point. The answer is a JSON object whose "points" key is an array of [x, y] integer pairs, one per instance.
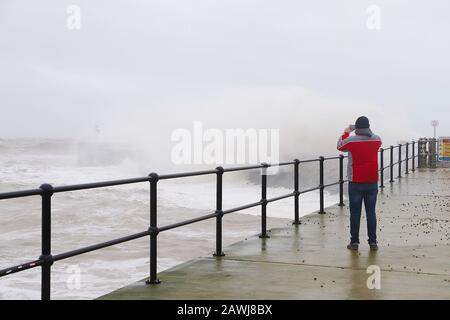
{"points": [[84, 218]]}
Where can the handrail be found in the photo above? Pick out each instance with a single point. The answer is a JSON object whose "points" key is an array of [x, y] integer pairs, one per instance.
{"points": [[46, 259], [101, 184], [20, 194]]}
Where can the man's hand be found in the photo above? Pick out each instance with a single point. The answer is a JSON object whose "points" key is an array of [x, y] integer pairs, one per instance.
{"points": [[350, 128]]}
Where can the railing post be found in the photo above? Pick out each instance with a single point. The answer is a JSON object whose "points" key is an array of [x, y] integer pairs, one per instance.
{"points": [[432, 152], [47, 192], [407, 158], [153, 177], [392, 164], [219, 212], [321, 184], [264, 201], [436, 151], [413, 156], [382, 168], [422, 153], [399, 160], [296, 192], [341, 180]]}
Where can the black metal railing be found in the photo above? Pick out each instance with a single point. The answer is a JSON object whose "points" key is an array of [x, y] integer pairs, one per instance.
{"points": [[46, 191]]}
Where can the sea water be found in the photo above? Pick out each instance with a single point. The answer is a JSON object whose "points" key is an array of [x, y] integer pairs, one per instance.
{"points": [[83, 218]]}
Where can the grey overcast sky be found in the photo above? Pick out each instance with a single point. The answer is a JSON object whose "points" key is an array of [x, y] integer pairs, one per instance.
{"points": [[138, 65]]}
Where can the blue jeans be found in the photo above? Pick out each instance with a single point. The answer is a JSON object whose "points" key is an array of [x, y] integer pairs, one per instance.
{"points": [[358, 192]]}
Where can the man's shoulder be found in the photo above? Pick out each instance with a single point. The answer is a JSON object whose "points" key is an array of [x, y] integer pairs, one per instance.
{"points": [[352, 138], [359, 138], [376, 137]]}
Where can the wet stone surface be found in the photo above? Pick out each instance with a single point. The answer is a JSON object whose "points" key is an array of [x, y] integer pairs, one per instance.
{"points": [[310, 261]]}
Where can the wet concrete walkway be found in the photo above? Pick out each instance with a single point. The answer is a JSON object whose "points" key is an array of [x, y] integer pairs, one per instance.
{"points": [[311, 261]]}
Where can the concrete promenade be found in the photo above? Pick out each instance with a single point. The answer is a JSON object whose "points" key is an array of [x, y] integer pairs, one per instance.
{"points": [[310, 261]]}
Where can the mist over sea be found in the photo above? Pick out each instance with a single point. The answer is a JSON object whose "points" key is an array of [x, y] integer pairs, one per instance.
{"points": [[83, 218], [115, 88]]}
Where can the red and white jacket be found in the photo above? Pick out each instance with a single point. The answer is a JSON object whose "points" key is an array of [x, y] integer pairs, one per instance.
{"points": [[362, 151]]}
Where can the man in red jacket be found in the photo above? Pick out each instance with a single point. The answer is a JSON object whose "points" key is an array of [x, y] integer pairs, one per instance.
{"points": [[362, 151]]}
